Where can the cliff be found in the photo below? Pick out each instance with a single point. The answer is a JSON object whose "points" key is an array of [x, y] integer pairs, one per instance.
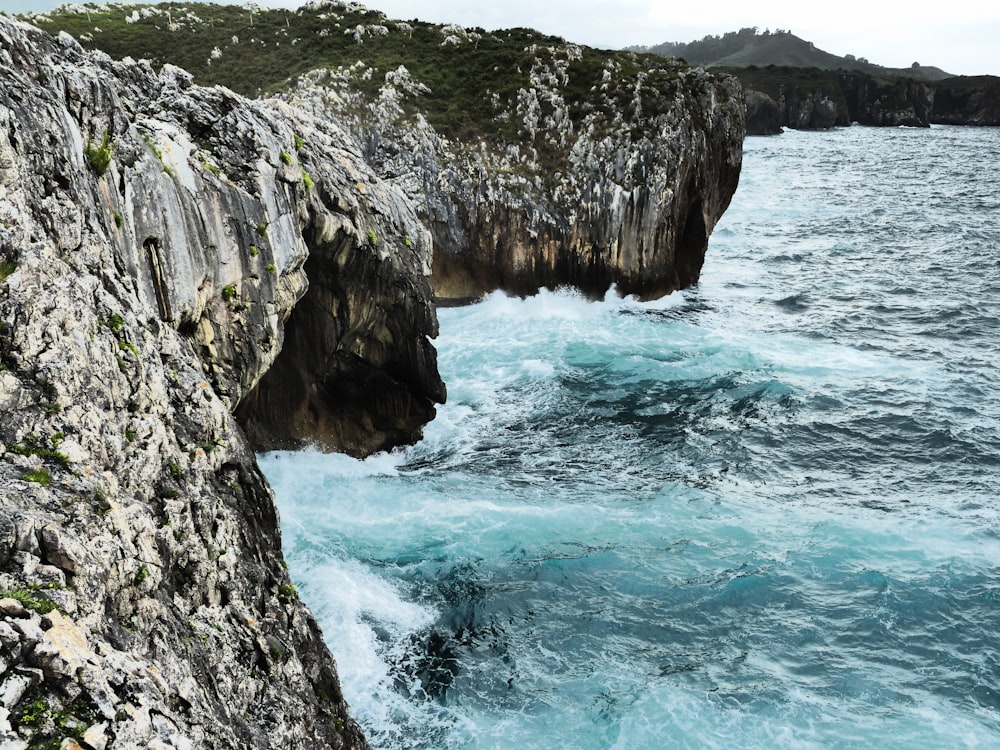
{"points": [[809, 99], [162, 247], [623, 191], [967, 100], [187, 275], [533, 162]]}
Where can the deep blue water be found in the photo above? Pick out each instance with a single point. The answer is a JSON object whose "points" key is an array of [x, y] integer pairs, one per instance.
{"points": [[761, 513]]}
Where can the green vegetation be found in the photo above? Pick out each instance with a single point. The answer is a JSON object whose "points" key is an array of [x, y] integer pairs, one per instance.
{"points": [[7, 268], [119, 219], [99, 157], [53, 718], [116, 322], [254, 252], [100, 499], [35, 446], [752, 47], [286, 158], [29, 599], [228, 293], [210, 444], [471, 82], [287, 592], [42, 476], [299, 143], [372, 238], [773, 79], [159, 154], [128, 346], [271, 268], [141, 575], [307, 180]]}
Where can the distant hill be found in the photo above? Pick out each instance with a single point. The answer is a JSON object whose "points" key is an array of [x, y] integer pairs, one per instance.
{"points": [[749, 46]]}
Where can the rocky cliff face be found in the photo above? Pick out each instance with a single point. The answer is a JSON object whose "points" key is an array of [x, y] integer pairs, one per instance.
{"points": [[624, 192], [159, 243], [871, 101], [973, 100], [811, 100], [181, 269]]}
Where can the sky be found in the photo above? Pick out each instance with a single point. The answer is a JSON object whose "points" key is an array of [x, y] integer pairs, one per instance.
{"points": [[959, 36]]}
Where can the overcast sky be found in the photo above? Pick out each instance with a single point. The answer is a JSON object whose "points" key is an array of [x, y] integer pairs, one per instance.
{"points": [[960, 36]]}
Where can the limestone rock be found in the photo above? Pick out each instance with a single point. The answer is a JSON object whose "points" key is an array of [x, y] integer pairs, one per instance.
{"points": [[835, 99], [154, 243], [764, 116], [885, 103], [181, 268], [624, 193]]}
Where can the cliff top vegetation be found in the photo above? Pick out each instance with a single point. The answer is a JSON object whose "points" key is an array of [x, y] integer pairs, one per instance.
{"points": [[471, 75]]}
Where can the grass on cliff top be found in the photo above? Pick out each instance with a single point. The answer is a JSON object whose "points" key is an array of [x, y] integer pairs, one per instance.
{"points": [[257, 52]]}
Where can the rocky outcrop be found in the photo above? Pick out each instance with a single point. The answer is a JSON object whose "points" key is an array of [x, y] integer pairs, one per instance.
{"points": [[181, 268], [160, 247], [816, 99], [872, 101], [764, 116], [972, 100], [803, 109], [623, 191]]}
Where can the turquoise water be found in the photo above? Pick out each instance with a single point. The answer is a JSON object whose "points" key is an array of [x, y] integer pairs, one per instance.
{"points": [[759, 513]]}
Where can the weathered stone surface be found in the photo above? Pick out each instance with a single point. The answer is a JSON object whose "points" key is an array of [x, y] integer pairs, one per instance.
{"points": [[764, 116], [626, 194], [63, 552], [173, 255], [887, 103], [13, 688], [147, 287], [12, 608]]}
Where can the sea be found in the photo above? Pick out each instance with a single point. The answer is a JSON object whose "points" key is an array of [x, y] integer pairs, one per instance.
{"points": [[763, 512]]}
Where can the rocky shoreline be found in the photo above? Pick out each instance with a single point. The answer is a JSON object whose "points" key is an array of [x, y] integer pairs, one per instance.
{"points": [[816, 100], [187, 276]]}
